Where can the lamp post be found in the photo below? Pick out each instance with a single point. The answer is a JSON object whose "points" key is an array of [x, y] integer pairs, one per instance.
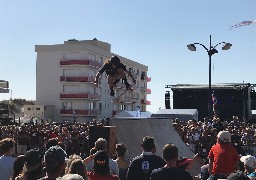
{"points": [[211, 50]]}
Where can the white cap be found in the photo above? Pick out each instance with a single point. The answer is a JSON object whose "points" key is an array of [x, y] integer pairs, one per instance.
{"points": [[249, 161], [224, 136]]}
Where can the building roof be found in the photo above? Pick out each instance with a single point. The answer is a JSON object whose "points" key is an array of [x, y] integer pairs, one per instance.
{"points": [[214, 86]]}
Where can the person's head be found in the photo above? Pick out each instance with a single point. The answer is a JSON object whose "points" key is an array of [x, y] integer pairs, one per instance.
{"points": [[101, 144], [51, 142], [77, 167], [249, 163], [238, 176], [170, 152], [72, 177], [71, 158], [54, 159], [101, 163], [18, 165], [224, 137], [148, 144], [7, 146], [120, 149], [115, 61], [33, 164], [183, 162]]}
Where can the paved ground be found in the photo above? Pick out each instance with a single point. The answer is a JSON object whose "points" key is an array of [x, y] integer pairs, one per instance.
{"points": [[131, 131]]}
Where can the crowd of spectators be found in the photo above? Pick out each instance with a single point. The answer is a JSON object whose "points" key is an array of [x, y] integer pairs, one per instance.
{"points": [[61, 151]]}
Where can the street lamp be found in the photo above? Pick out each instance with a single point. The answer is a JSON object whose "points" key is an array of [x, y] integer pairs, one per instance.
{"points": [[210, 52]]}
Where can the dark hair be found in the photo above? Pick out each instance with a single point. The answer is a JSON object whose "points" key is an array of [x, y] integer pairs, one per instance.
{"points": [[120, 149], [101, 163], [51, 142], [77, 167], [114, 60], [33, 167], [170, 152], [6, 144], [18, 165], [54, 158], [148, 143]]}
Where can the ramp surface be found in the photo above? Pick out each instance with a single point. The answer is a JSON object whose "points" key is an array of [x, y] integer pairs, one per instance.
{"points": [[131, 131]]}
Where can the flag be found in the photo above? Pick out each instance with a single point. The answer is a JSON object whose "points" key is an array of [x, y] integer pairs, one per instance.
{"points": [[243, 23], [214, 102]]}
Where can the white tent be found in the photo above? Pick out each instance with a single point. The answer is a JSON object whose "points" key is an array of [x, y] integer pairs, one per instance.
{"points": [[181, 114], [125, 114]]}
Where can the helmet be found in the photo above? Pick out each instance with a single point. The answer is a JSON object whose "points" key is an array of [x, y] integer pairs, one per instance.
{"points": [[115, 60]]}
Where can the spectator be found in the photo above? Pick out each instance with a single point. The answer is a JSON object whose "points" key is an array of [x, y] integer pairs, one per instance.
{"points": [[6, 160], [77, 167], [101, 169], [122, 161], [54, 159], [70, 160], [18, 166], [170, 170], [101, 144], [249, 165], [142, 166], [33, 166], [223, 158], [72, 177]]}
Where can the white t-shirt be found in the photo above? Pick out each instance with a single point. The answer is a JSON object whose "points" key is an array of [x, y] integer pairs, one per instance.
{"points": [[6, 167]]}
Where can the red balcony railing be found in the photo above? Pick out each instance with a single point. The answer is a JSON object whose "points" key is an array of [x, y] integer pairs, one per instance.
{"points": [[144, 101], [76, 79], [148, 91], [79, 112], [80, 62], [79, 96]]}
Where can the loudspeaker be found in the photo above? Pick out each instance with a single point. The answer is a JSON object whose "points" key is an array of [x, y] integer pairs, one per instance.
{"points": [[106, 132], [167, 100]]}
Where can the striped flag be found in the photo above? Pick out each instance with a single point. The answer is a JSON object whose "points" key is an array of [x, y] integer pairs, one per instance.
{"points": [[214, 102], [243, 23]]}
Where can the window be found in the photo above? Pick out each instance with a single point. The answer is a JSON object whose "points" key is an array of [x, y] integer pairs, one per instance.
{"points": [[29, 109], [38, 109], [122, 107], [67, 105], [91, 105]]}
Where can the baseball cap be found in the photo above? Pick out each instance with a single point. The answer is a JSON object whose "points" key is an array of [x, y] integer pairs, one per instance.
{"points": [[249, 161], [224, 136]]}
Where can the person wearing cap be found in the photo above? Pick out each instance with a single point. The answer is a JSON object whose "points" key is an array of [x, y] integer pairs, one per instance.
{"points": [[170, 170], [54, 159], [141, 167], [33, 166], [101, 169], [223, 157], [249, 165], [102, 144], [115, 71]]}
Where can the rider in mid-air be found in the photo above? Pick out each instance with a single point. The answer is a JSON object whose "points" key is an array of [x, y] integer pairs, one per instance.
{"points": [[115, 71]]}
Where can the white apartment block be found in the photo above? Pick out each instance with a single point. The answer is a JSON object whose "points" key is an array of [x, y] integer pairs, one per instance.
{"points": [[65, 76]]}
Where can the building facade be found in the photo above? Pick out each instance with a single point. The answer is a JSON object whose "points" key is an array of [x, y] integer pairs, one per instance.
{"points": [[65, 76]]}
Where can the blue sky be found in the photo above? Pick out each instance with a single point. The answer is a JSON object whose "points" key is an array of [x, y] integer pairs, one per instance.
{"points": [[154, 33]]}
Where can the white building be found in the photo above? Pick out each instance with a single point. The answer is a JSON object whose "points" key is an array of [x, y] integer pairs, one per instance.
{"points": [[65, 75]]}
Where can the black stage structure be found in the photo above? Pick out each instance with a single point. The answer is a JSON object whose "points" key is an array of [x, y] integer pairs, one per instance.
{"points": [[229, 99]]}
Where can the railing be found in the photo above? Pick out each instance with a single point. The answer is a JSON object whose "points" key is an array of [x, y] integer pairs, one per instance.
{"points": [[79, 96], [80, 62], [79, 112], [76, 79]]}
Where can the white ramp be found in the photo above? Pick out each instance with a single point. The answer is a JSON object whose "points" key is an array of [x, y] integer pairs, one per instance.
{"points": [[131, 131]]}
